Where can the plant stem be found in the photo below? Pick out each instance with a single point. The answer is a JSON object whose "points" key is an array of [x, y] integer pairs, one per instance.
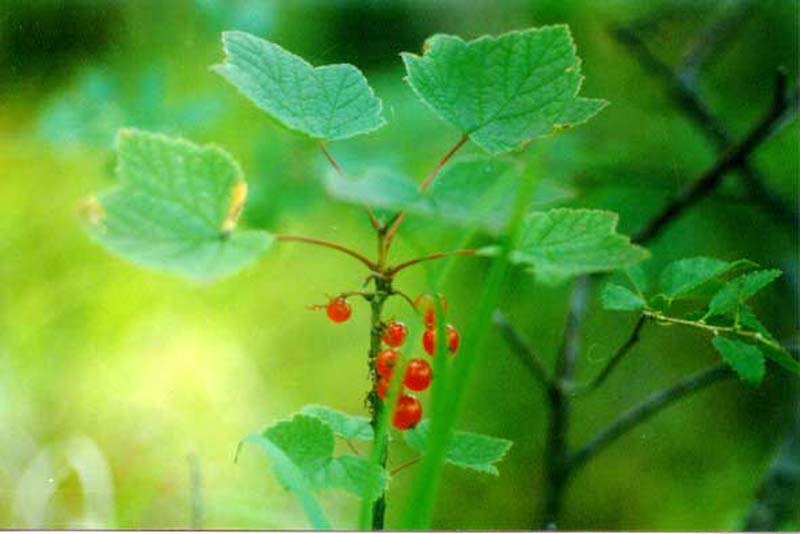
{"points": [[383, 290], [405, 465], [557, 468], [400, 217], [782, 108], [647, 408], [391, 271], [328, 244], [521, 348], [757, 336]]}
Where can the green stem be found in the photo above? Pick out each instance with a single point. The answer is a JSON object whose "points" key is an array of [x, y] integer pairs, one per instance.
{"points": [[716, 330], [383, 290]]}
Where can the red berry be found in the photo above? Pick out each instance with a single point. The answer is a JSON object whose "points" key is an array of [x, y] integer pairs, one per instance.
{"points": [[338, 310], [429, 339], [426, 305], [385, 362], [418, 375], [453, 339], [395, 333], [407, 413]]}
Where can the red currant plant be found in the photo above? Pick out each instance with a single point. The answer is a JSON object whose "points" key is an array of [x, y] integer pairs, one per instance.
{"points": [[176, 208]]}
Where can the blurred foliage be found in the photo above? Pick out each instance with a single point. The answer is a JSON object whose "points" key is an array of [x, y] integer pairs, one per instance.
{"points": [[113, 375]]}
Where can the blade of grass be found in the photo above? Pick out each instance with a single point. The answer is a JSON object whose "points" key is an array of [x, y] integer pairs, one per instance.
{"points": [[447, 404]]}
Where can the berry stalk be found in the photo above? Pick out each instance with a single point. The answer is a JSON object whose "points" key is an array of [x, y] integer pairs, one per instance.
{"points": [[383, 290]]}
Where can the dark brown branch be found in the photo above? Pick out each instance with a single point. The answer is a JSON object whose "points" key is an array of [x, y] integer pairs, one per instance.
{"points": [[598, 380], [521, 348], [711, 39], [556, 457], [646, 409], [682, 90], [781, 108]]}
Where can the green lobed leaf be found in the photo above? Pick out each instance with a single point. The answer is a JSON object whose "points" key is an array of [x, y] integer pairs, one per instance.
{"points": [[342, 424], [175, 208], [780, 356], [747, 360], [737, 291], [683, 276], [474, 192], [638, 277], [563, 243], [352, 474], [619, 298], [308, 441], [503, 91], [329, 102], [471, 451], [292, 479]]}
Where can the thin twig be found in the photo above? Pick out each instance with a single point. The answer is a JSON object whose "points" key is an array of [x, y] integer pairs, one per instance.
{"points": [[372, 219], [521, 348], [647, 408], [557, 468], [328, 244], [398, 219], [405, 465], [405, 297], [712, 38], [733, 158], [598, 380], [714, 329], [435, 256], [681, 87], [352, 447]]}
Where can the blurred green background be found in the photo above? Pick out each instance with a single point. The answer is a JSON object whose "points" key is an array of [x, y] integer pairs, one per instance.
{"points": [[123, 393]]}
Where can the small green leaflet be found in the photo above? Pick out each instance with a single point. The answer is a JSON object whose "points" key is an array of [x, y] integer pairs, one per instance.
{"points": [[619, 298], [467, 450], [503, 91], [175, 208], [308, 442], [342, 424], [683, 276], [733, 294], [329, 102], [563, 243], [747, 360]]}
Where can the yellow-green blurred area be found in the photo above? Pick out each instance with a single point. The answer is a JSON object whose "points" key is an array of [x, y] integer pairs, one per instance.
{"points": [[123, 392]]}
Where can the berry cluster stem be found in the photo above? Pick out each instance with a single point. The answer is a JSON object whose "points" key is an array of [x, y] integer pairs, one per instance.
{"points": [[383, 290]]}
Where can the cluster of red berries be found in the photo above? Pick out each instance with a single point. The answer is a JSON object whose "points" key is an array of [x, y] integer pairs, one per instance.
{"points": [[418, 372]]}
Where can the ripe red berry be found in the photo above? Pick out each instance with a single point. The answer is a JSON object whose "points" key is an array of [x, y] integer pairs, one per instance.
{"points": [[418, 375], [385, 362], [395, 333], [407, 413], [429, 339], [426, 305], [338, 310]]}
